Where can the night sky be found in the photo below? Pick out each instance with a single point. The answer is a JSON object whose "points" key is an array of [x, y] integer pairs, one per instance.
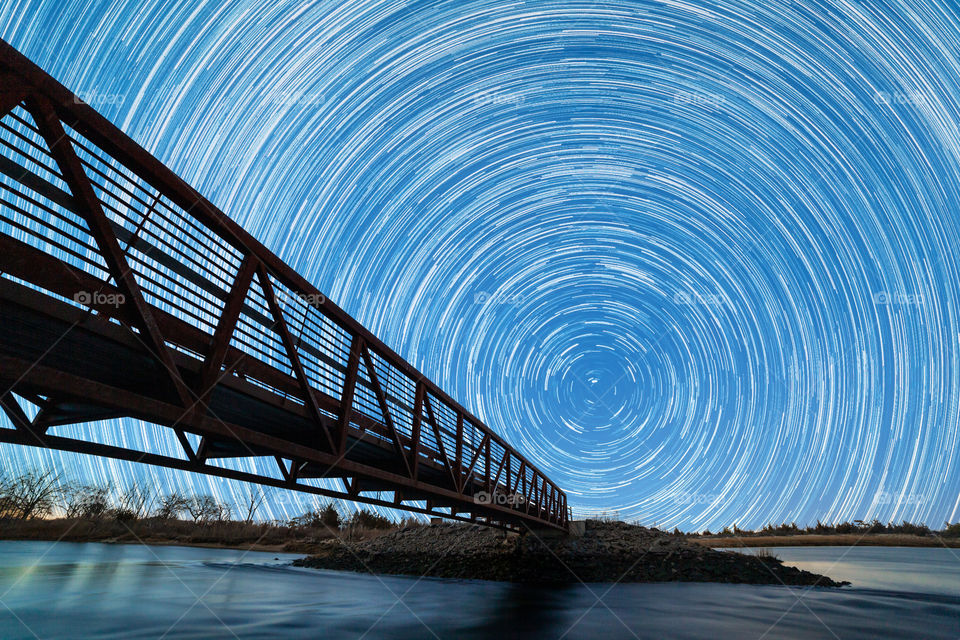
{"points": [[698, 260]]}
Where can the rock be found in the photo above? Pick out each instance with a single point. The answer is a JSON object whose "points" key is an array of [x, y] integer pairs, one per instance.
{"points": [[606, 552]]}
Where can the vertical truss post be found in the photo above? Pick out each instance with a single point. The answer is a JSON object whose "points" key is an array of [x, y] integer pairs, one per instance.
{"points": [[415, 435], [346, 397], [486, 468], [459, 453]]}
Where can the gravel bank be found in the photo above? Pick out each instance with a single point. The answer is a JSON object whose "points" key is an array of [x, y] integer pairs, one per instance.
{"points": [[607, 552]]}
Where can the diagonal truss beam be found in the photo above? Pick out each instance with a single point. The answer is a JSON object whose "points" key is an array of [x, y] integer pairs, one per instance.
{"points": [[76, 178], [280, 326], [385, 410], [225, 328], [346, 397], [432, 419]]}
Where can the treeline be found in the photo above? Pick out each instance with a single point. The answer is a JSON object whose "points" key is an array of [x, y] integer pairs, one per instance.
{"points": [[857, 527], [45, 495]]}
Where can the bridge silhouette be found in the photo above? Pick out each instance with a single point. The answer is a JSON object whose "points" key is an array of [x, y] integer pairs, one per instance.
{"points": [[125, 293]]}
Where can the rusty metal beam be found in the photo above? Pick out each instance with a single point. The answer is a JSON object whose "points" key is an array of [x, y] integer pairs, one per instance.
{"points": [[476, 454], [385, 409], [346, 396], [159, 411], [220, 342], [12, 93], [17, 415], [58, 443], [432, 419], [280, 326]]}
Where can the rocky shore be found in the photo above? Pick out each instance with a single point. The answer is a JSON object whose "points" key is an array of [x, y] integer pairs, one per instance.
{"points": [[606, 552]]}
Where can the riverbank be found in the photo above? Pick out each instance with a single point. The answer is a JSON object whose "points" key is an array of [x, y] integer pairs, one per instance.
{"points": [[829, 540], [170, 532], [606, 552]]}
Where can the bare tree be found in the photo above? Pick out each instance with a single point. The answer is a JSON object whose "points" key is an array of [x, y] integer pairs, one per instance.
{"points": [[224, 512], [30, 495], [86, 501], [135, 501], [172, 505], [8, 498], [203, 508], [254, 502]]}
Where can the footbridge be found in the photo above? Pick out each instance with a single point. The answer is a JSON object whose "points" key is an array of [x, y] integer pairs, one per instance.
{"points": [[125, 293]]}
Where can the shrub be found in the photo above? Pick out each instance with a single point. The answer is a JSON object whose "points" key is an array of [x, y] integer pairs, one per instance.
{"points": [[123, 515], [86, 501], [369, 520], [326, 518], [330, 517]]}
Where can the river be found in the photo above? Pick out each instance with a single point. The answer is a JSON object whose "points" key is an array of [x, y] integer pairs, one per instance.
{"points": [[71, 590]]}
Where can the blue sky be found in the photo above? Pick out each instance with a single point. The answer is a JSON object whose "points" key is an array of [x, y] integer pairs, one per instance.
{"points": [[698, 260]]}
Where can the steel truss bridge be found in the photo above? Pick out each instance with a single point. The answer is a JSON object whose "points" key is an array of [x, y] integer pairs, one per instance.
{"points": [[125, 293]]}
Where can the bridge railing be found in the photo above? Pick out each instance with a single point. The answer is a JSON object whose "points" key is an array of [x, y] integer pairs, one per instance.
{"points": [[190, 281]]}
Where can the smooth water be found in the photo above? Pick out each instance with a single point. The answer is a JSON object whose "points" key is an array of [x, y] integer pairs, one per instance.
{"points": [[67, 590], [917, 570]]}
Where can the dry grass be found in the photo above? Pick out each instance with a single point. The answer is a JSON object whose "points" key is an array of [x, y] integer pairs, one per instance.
{"points": [[839, 540], [228, 534]]}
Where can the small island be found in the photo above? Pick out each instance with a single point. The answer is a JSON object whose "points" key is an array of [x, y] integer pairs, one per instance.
{"points": [[605, 551]]}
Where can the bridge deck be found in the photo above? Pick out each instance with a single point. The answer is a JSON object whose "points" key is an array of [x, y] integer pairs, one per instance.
{"points": [[126, 293]]}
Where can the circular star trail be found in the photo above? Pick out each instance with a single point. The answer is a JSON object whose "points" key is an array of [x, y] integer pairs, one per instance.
{"points": [[696, 259]]}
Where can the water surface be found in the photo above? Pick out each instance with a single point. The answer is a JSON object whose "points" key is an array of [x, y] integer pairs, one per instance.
{"points": [[67, 590], [914, 569]]}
